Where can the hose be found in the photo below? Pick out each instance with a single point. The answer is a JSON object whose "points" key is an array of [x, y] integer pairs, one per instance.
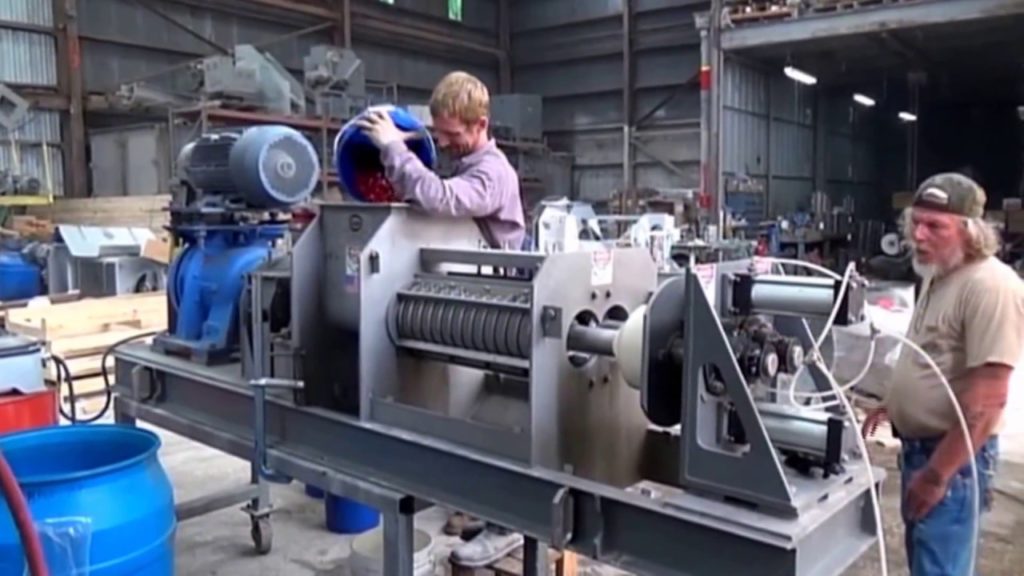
{"points": [[64, 376], [22, 519], [962, 421]]}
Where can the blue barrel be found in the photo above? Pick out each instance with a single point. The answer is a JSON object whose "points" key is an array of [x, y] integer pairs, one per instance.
{"points": [[353, 150], [100, 493], [346, 516], [19, 278]]}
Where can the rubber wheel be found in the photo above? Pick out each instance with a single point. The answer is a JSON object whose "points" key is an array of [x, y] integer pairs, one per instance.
{"points": [[262, 535]]}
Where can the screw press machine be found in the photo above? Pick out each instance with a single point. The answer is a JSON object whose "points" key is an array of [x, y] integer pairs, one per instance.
{"points": [[580, 398]]}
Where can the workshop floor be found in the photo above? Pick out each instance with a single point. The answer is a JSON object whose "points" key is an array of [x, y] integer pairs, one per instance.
{"points": [[219, 544]]}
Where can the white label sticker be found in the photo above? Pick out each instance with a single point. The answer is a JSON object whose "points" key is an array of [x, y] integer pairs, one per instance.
{"points": [[601, 269], [707, 274], [352, 268]]}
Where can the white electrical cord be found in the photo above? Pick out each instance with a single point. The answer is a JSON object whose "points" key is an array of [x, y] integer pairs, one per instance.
{"points": [[862, 446], [976, 493], [816, 356]]}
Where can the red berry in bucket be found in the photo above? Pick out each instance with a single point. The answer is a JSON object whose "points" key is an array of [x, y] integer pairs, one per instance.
{"points": [[374, 187]]}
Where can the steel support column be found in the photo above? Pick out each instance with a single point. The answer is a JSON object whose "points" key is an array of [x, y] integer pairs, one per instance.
{"points": [[629, 196], [69, 62], [505, 45]]}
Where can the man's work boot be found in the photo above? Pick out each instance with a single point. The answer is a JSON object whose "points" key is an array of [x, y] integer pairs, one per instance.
{"points": [[460, 524], [488, 547]]}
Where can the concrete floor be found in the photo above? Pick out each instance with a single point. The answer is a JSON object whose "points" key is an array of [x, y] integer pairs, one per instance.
{"points": [[219, 544]]}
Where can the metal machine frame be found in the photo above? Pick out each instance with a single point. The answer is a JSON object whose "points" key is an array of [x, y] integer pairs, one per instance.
{"points": [[341, 428]]}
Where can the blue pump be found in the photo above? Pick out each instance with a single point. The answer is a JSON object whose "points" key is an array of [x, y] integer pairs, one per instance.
{"points": [[229, 178]]}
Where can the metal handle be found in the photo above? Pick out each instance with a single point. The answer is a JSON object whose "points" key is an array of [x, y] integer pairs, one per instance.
{"points": [[260, 386]]}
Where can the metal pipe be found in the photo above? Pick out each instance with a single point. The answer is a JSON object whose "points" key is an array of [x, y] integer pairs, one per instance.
{"points": [[817, 434], [592, 339], [788, 295]]}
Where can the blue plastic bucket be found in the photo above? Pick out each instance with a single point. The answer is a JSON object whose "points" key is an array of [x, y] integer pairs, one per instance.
{"points": [[19, 278], [314, 492], [346, 516], [353, 150], [101, 499]]}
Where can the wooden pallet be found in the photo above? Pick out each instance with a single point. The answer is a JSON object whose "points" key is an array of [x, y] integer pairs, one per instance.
{"points": [[838, 5], [761, 11], [80, 332]]}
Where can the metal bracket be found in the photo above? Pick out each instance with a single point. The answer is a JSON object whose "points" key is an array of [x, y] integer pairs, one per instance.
{"points": [[562, 510], [551, 322], [19, 107], [260, 386]]}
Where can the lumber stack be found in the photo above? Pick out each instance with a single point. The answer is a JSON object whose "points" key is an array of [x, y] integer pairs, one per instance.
{"points": [[81, 331], [109, 211]]}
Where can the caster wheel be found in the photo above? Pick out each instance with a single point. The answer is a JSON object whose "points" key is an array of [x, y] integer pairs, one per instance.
{"points": [[262, 535]]}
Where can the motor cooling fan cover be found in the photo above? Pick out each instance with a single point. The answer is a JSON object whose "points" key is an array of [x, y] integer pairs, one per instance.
{"points": [[274, 166]]}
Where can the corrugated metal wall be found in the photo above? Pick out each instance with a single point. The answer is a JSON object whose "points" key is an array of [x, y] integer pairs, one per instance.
{"points": [[28, 58], [123, 41], [571, 53], [780, 134]]}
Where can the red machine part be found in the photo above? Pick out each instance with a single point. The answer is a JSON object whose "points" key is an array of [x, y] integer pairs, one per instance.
{"points": [[26, 411], [374, 187]]}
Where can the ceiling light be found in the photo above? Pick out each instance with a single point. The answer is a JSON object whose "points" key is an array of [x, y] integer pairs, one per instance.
{"points": [[908, 117], [800, 76], [864, 100]]}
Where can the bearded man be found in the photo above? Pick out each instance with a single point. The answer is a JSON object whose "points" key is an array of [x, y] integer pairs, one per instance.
{"points": [[970, 319]]}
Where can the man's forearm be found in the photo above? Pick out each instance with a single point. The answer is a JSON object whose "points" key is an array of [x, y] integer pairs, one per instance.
{"points": [[982, 406], [412, 180]]}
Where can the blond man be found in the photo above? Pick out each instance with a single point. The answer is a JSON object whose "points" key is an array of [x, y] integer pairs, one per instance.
{"points": [[485, 186], [970, 320]]}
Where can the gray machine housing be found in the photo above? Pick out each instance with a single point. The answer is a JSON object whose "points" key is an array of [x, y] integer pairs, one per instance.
{"points": [[517, 116], [409, 323], [337, 79], [252, 77]]}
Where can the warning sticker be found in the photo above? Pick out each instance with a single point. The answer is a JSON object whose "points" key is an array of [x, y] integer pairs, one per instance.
{"points": [[601, 269], [707, 274]]}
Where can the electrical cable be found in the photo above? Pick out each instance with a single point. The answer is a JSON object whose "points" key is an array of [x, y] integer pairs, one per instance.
{"points": [[862, 446], [964, 428], [63, 374]]}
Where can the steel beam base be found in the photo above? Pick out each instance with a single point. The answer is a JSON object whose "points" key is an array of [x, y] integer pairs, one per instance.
{"points": [[646, 529]]}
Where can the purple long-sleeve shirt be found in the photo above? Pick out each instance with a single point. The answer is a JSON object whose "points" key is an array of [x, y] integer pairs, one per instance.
{"points": [[485, 187]]}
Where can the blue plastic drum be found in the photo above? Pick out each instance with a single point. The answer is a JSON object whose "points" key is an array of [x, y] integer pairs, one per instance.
{"points": [[346, 516], [19, 278], [101, 499], [353, 150]]}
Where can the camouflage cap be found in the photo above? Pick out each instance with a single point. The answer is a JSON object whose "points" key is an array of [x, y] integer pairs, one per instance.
{"points": [[953, 193]]}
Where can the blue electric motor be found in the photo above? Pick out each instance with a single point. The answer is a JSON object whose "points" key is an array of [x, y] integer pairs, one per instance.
{"points": [[229, 179]]}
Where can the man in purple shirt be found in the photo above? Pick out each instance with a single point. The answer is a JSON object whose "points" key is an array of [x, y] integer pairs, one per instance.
{"points": [[485, 187]]}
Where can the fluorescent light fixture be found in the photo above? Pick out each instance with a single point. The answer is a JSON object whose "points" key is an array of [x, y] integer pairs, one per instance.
{"points": [[800, 76], [864, 100], [907, 117]]}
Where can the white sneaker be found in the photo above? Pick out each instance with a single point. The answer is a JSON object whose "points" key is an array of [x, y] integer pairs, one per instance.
{"points": [[486, 548]]}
